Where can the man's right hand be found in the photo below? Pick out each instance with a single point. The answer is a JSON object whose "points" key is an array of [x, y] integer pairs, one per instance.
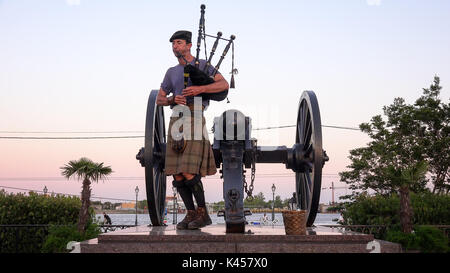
{"points": [[180, 100]]}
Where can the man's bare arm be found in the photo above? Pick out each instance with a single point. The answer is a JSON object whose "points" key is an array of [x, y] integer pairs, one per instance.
{"points": [[219, 85], [163, 100]]}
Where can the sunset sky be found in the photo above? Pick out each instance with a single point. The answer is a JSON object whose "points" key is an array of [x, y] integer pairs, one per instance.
{"points": [[72, 66]]}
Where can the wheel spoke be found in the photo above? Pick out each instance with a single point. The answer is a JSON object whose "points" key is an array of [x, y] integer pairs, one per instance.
{"points": [[308, 150], [305, 193], [155, 182], [304, 117], [299, 133], [300, 125], [157, 133], [309, 181], [307, 187], [308, 129]]}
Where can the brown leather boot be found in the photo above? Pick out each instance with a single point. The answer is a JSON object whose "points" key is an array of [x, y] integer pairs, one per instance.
{"points": [[190, 216], [202, 219]]}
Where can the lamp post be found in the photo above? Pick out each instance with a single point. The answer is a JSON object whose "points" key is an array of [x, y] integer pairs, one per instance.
{"points": [[137, 191], [45, 190], [273, 202], [175, 206]]}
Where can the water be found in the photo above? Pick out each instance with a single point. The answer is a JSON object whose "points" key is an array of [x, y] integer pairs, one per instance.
{"points": [[255, 219]]}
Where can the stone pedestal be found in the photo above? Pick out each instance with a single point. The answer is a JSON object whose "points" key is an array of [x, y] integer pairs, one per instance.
{"points": [[213, 239]]}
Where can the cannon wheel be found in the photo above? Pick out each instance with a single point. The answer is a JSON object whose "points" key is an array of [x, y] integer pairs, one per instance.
{"points": [[309, 138], [154, 160]]}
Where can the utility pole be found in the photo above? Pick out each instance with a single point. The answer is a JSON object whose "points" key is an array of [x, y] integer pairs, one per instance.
{"points": [[332, 191]]}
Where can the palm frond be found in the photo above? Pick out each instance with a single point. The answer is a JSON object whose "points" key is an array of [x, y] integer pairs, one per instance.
{"points": [[85, 168]]}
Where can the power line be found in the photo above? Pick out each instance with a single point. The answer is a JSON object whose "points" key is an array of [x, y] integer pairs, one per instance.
{"points": [[124, 137], [69, 132], [289, 126], [122, 178], [129, 132], [342, 127], [96, 137]]}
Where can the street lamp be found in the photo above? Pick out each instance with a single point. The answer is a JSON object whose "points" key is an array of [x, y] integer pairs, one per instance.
{"points": [[137, 191], [45, 190], [175, 205], [273, 202]]}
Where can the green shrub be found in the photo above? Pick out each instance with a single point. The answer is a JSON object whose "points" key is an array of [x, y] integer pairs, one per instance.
{"points": [[424, 238], [431, 239], [428, 209], [408, 241], [59, 236], [33, 209]]}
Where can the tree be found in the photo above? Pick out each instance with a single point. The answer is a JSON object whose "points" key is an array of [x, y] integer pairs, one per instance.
{"points": [[256, 202], [403, 149], [434, 119], [88, 171], [107, 205], [142, 204], [278, 202]]}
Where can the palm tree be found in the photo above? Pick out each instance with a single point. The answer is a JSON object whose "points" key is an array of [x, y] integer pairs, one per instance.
{"points": [[86, 170], [404, 179], [411, 176]]}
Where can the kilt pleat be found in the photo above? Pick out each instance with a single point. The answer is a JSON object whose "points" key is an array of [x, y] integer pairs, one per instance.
{"points": [[197, 157]]}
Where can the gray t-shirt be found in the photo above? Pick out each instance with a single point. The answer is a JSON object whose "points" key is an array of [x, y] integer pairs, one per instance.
{"points": [[174, 80]]}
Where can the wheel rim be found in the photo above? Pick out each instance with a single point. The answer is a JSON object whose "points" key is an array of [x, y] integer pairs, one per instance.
{"points": [[309, 139], [154, 152]]}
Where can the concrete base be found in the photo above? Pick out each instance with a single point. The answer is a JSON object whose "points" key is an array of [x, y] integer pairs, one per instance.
{"points": [[213, 239]]}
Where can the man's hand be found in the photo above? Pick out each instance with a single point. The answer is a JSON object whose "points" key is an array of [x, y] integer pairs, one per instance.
{"points": [[192, 91], [180, 100]]}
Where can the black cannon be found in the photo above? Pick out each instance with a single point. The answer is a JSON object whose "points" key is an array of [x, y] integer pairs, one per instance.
{"points": [[235, 151]]}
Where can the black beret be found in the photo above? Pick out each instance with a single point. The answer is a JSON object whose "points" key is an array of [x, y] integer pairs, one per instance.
{"points": [[182, 35]]}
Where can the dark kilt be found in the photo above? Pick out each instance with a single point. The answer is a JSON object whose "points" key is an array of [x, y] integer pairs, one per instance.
{"points": [[197, 157]]}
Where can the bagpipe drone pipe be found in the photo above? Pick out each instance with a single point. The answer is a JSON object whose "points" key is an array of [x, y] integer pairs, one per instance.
{"points": [[201, 77]]}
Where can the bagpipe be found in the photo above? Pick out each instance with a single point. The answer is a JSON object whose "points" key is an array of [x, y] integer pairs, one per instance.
{"points": [[201, 77]]}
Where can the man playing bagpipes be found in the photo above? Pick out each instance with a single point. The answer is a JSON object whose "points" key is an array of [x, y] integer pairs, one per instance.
{"points": [[188, 156]]}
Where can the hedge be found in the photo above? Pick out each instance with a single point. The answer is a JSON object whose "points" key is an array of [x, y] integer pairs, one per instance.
{"points": [[33, 209], [428, 209]]}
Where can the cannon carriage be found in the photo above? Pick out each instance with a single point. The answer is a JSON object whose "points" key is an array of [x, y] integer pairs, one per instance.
{"points": [[233, 147], [235, 151]]}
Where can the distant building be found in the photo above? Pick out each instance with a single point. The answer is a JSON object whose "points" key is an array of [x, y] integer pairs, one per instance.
{"points": [[126, 206]]}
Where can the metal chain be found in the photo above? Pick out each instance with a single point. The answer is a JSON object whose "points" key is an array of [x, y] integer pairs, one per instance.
{"points": [[245, 185], [253, 174], [252, 177], [249, 191]]}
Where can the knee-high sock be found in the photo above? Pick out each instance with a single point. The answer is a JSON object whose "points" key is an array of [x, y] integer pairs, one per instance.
{"points": [[186, 195], [196, 186], [200, 197]]}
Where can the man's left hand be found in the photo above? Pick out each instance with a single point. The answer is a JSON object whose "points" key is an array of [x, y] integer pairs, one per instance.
{"points": [[192, 91]]}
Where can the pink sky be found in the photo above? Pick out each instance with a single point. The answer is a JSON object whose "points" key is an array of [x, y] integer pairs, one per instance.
{"points": [[42, 158], [90, 66]]}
